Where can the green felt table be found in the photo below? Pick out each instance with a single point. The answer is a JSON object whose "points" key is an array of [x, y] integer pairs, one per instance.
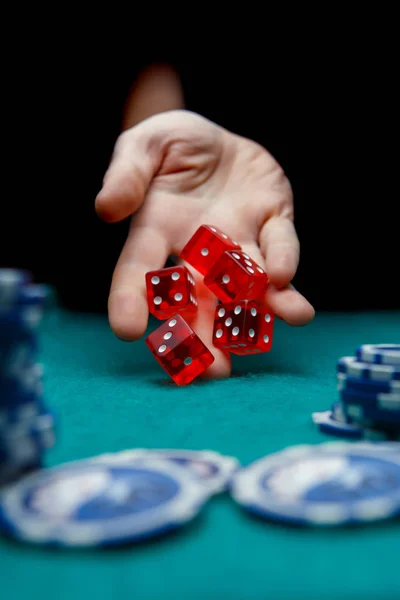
{"points": [[110, 395]]}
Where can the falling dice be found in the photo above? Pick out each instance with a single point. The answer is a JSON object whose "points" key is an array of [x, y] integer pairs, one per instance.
{"points": [[243, 328], [179, 350], [206, 246], [171, 291], [235, 276]]}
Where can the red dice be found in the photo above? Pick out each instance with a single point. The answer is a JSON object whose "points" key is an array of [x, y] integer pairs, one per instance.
{"points": [[235, 276], [179, 350], [243, 328], [171, 291], [243, 324], [206, 246]]}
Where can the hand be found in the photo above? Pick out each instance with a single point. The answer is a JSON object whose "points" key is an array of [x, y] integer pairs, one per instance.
{"points": [[174, 172]]}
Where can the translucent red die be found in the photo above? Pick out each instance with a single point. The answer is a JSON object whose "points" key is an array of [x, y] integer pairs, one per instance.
{"points": [[179, 350], [207, 245], [235, 276], [244, 327], [171, 291]]}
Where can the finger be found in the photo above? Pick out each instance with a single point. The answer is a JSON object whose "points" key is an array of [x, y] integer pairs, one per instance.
{"points": [[280, 246], [129, 175], [145, 249], [287, 303], [290, 305]]}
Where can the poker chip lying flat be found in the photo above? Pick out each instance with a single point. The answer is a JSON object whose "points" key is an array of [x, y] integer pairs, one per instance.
{"points": [[380, 446], [381, 354], [346, 426], [214, 470], [352, 367], [328, 422], [337, 422], [330, 484], [93, 503]]}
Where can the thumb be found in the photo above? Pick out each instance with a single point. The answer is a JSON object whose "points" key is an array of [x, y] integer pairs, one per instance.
{"points": [[136, 158]]}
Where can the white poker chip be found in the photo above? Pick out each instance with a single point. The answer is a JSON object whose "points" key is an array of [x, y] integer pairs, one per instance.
{"points": [[381, 354], [91, 503], [214, 470], [330, 484], [380, 446]]}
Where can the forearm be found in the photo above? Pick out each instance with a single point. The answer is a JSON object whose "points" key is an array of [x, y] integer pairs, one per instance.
{"points": [[157, 89]]}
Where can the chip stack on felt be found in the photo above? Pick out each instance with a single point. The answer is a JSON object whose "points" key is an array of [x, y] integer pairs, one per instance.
{"points": [[243, 324], [369, 395], [26, 425]]}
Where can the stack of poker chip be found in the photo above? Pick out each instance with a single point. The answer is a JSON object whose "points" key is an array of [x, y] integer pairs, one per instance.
{"points": [[26, 425], [368, 406]]}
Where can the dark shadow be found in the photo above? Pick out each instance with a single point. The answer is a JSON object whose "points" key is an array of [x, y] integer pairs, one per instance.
{"points": [[257, 367], [163, 383], [169, 383]]}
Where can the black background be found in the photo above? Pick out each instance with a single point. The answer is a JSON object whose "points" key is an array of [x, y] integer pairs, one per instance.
{"points": [[324, 104]]}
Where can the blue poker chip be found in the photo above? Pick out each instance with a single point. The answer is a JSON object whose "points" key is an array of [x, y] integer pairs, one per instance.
{"points": [[93, 503], [380, 354], [337, 423], [19, 292], [20, 382], [328, 421], [330, 484], [35, 422], [377, 407], [370, 386], [19, 333], [351, 366], [21, 318], [11, 283], [18, 355], [33, 294], [38, 431], [20, 414], [214, 470], [11, 471], [18, 402], [22, 446]]}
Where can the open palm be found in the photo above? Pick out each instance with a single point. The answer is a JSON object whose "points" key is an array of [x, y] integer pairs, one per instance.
{"points": [[177, 171]]}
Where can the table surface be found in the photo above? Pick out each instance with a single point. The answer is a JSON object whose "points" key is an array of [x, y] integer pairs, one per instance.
{"points": [[111, 396]]}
